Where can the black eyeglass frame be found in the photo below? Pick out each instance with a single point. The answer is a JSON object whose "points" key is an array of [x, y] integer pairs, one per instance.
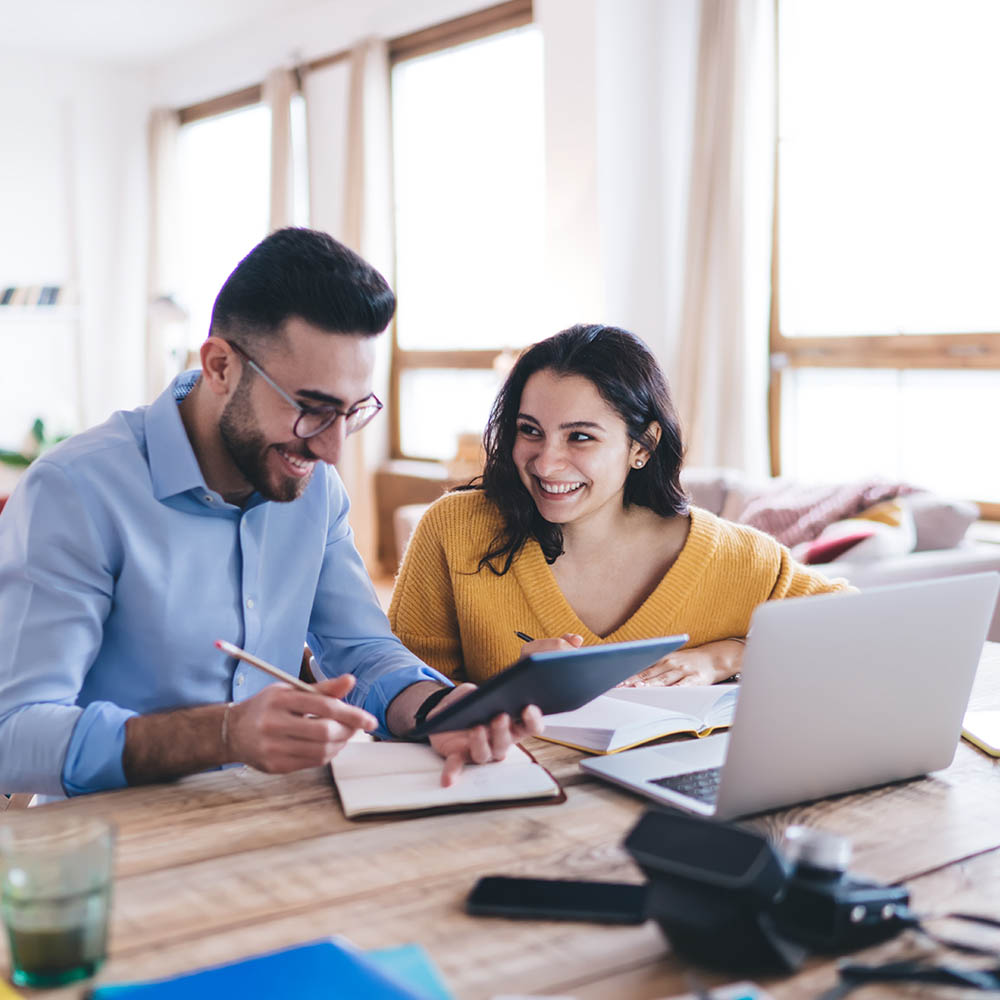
{"points": [[329, 413]]}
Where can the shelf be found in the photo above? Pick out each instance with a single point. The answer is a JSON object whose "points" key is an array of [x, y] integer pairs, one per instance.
{"points": [[11, 315]]}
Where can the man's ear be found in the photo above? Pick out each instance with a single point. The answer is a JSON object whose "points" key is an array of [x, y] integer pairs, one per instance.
{"points": [[220, 368]]}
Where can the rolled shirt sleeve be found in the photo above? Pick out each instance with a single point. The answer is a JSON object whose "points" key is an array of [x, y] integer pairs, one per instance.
{"points": [[56, 589], [349, 632]]}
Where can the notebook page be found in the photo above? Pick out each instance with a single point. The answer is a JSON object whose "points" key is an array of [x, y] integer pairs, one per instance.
{"points": [[372, 786]]}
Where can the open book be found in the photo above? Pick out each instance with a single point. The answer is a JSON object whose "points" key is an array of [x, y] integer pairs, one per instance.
{"points": [[626, 717], [403, 777]]}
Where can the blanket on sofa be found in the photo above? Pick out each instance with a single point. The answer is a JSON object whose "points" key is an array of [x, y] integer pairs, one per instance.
{"points": [[795, 513]]}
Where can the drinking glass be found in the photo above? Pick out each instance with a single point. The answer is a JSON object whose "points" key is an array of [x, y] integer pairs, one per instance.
{"points": [[55, 894]]}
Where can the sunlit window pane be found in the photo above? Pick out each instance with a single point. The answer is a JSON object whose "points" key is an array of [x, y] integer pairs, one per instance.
{"points": [[469, 179], [889, 158], [440, 404], [907, 426], [225, 169]]}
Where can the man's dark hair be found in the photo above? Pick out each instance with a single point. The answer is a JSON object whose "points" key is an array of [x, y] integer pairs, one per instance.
{"points": [[305, 273], [623, 370]]}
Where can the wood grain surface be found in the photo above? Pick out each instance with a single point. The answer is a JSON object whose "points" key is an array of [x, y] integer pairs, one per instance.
{"points": [[233, 863]]}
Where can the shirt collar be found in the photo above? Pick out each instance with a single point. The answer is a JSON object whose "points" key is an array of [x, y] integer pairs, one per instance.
{"points": [[173, 466]]}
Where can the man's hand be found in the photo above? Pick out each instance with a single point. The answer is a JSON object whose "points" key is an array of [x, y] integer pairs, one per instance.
{"points": [[282, 729], [708, 664], [480, 744]]}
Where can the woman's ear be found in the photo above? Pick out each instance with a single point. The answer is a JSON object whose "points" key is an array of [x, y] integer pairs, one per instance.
{"points": [[640, 453]]}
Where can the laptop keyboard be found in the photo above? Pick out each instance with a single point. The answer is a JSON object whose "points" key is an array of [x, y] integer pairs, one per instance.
{"points": [[700, 785]]}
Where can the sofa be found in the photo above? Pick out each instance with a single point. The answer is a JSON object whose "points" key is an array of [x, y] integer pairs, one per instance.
{"points": [[915, 534], [932, 542]]}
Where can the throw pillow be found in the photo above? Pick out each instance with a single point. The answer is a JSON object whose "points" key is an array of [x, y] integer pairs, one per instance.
{"points": [[883, 530], [940, 523]]}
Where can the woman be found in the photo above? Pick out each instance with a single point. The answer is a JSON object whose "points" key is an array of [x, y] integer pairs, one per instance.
{"points": [[579, 529]]}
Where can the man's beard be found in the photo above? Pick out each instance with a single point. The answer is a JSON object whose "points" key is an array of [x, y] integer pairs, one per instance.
{"points": [[249, 450]]}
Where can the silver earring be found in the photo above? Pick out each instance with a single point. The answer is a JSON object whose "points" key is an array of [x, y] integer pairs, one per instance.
{"points": [[639, 464]]}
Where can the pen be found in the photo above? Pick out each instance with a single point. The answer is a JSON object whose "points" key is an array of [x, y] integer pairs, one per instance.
{"points": [[268, 668], [524, 636]]}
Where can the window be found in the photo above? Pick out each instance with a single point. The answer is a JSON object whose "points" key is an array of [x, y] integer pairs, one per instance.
{"points": [[224, 198], [886, 326], [224, 171], [469, 175]]}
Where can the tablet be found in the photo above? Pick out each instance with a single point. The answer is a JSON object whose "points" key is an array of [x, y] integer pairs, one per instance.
{"points": [[557, 681]]}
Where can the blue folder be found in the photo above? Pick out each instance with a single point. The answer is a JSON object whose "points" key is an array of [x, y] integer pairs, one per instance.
{"points": [[318, 971]]}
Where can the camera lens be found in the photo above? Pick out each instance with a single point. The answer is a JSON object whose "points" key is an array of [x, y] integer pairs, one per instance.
{"points": [[817, 850]]}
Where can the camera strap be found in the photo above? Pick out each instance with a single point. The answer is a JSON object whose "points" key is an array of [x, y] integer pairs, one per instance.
{"points": [[853, 975]]}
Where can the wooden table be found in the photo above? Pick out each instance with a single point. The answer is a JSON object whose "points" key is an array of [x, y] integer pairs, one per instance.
{"points": [[232, 863]]}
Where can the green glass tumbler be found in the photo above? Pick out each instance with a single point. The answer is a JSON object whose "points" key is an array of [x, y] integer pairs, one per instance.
{"points": [[55, 895]]}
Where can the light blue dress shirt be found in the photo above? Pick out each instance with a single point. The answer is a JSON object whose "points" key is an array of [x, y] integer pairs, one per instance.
{"points": [[119, 568]]}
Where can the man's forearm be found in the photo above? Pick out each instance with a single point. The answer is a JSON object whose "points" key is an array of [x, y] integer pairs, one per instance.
{"points": [[172, 744], [399, 716]]}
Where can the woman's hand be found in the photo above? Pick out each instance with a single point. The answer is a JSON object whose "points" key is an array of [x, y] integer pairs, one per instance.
{"points": [[708, 664], [568, 640]]}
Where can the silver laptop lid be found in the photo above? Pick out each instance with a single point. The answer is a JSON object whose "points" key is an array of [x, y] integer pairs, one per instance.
{"points": [[846, 691]]}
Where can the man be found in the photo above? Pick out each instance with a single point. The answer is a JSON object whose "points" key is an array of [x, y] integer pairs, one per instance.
{"points": [[215, 512]]}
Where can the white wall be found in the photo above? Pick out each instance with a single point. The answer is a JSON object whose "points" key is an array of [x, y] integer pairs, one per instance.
{"points": [[73, 185]]}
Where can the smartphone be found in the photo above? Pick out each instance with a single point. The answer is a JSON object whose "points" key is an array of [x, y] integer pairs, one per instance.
{"points": [[557, 899]]}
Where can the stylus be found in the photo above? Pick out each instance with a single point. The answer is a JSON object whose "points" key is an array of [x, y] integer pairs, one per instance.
{"points": [[524, 637]]}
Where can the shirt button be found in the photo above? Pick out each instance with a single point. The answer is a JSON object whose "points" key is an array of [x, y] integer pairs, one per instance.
{"points": [[208, 499], [239, 681], [249, 602]]}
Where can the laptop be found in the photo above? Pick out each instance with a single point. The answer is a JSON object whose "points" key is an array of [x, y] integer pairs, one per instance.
{"points": [[839, 692]]}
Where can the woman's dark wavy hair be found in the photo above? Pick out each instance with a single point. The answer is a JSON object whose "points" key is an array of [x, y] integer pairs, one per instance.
{"points": [[623, 370]]}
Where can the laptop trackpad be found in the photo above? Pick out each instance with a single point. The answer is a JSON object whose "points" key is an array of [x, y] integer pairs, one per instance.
{"points": [[691, 755]]}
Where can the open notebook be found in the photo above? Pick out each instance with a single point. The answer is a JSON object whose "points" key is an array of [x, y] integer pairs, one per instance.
{"points": [[378, 778], [626, 717]]}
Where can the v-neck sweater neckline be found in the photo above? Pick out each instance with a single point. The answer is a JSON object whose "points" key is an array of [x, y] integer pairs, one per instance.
{"points": [[536, 579]]}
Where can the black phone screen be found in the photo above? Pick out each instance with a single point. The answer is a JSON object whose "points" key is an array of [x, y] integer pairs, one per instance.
{"points": [[557, 899]]}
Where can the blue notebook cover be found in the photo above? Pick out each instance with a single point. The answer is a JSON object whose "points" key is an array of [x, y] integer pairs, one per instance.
{"points": [[413, 968], [317, 971]]}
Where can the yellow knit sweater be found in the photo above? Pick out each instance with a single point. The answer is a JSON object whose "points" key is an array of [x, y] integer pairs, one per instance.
{"points": [[463, 622]]}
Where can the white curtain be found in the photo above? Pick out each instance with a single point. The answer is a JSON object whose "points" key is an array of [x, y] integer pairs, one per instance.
{"points": [[721, 378], [348, 125], [162, 311], [279, 87]]}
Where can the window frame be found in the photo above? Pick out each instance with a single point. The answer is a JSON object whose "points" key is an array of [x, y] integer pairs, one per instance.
{"points": [[449, 34], [940, 351]]}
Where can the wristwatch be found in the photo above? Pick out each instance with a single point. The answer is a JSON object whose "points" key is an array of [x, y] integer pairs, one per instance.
{"points": [[420, 716]]}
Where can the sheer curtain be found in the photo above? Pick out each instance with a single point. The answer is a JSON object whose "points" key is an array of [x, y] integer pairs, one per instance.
{"points": [[348, 124], [721, 377], [162, 310], [279, 87]]}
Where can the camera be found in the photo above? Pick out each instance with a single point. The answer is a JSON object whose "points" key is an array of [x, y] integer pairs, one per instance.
{"points": [[726, 897], [825, 908]]}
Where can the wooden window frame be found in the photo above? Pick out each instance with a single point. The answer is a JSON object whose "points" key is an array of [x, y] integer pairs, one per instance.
{"points": [[928, 351], [472, 27]]}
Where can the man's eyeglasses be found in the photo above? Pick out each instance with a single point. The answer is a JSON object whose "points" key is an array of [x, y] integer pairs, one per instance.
{"points": [[313, 420]]}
